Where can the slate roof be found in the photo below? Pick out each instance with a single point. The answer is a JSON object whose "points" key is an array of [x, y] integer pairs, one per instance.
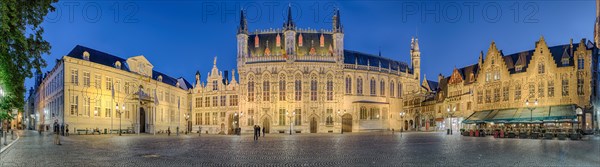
{"points": [[107, 59], [466, 72], [432, 85], [354, 57], [523, 58]]}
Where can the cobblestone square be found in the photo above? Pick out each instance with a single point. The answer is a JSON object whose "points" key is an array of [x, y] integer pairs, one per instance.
{"points": [[350, 149]]}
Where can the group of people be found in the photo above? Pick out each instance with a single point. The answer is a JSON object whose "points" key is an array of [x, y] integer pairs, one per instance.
{"points": [[257, 130]]}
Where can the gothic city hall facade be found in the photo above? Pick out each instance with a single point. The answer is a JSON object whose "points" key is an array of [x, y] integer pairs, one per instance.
{"points": [[296, 80]]}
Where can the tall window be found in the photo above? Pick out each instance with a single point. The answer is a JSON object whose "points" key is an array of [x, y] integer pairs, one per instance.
{"points": [[98, 81], [198, 102], [329, 88], [479, 97], [348, 85], [251, 89], [86, 79], [266, 90], [505, 93], [550, 88], [565, 86], [541, 89], [391, 88], [282, 88], [97, 108], [74, 102], [372, 87], [198, 118], [541, 68], [496, 94], [531, 90], [580, 62], [223, 100], [250, 117], [298, 117], [109, 83], [118, 85], [382, 88], [359, 86], [399, 90], [206, 101], [215, 85], [488, 96], [517, 92], [313, 88], [206, 118], [215, 101], [107, 109], [363, 113], [282, 116], [75, 76], [580, 91], [298, 88], [329, 120], [233, 100], [86, 106]]}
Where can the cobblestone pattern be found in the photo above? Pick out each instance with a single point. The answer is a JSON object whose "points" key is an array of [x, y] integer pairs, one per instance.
{"points": [[350, 149]]}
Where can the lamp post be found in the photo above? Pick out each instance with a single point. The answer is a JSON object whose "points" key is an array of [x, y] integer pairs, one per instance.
{"points": [[450, 115], [402, 122], [120, 116], [535, 103], [290, 116], [187, 117]]}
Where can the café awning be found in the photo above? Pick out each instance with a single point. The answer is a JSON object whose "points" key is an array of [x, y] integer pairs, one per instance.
{"points": [[524, 115]]}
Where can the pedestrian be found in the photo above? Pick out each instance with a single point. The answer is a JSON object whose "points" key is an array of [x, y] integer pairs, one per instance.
{"points": [[258, 130], [62, 129], [56, 133], [264, 130], [169, 131], [255, 133], [67, 129]]}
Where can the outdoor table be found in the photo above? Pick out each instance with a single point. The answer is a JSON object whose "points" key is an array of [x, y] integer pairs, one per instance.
{"points": [[561, 136], [535, 135], [574, 136], [511, 135], [548, 135]]}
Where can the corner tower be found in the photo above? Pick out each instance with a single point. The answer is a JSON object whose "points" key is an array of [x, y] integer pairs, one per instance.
{"points": [[338, 36], [242, 37], [415, 57], [289, 31]]}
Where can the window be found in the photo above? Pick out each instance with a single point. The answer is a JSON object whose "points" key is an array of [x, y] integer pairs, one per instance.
{"points": [[382, 88], [363, 113], [97, 108], [392, 89], [251, 89], [488, 94], [550, 88], [399, 90], [250, 117], [215, 85], [348, 85], [517, 92], [86, 106], [266, 90], [496, 94], [206, 118], [74, 77], [541, 68], [198, 119], [468, 105], [74, 101], [359, 86], [86, 79], [372, 87], [580, 91], [127, 112], [198, 102], [223, 100], [496, 75], [233, 100], [107, 109], [565, 86], [505, 93], [298, 117], [313, 88], [215, 101], [373, 113], [222, 114], [109, 83], [488, 77], [531, 90], [479, 97], [118, 85], [580, 62], [298, 89], [541, 89], [206, 101], [282, 88], [329, 88], [282, 116], [329, 120]]}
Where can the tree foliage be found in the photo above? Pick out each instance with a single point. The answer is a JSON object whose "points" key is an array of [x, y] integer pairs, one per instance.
{"points": [[21, 46]]}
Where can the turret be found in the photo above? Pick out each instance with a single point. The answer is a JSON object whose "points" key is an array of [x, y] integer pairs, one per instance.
{"points": [[290, 34], [242, 37], [338, 36], [415, 56], [480, 61]]}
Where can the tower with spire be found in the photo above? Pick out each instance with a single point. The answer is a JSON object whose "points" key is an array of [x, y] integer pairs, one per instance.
{"points": [[242, 36], [415, 57], [289, 32], [338, 36]]}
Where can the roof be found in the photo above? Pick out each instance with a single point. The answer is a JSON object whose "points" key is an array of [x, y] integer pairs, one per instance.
{"points": [[467, 71], [432, 85], [354, 57], [523, 58], [107, 59]]}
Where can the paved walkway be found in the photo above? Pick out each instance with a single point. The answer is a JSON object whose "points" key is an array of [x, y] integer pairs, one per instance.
{"points": [[9, 140], [349, 149]]}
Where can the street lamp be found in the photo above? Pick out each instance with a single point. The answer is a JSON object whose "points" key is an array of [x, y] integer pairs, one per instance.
{"points": [[290, 116], [450, 115], [187, 117], [535, 103], [120, 116], [402, 122]]}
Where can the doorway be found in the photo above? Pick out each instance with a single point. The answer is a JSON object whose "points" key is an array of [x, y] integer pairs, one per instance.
{"points": [[313, 125], [142, 120], [347, 123], [266, 124]]}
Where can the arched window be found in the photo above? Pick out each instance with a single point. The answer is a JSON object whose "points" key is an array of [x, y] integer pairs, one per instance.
{"points": [[399, 90], [282, 88], [266, 89], [359, 86], [392, 89], [251, 88], [363, 113], [348, 85], [298, 88], [313, 88], [372, 87], [382, 88], [329, 88]]}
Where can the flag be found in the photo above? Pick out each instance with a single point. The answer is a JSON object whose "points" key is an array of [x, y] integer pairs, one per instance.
{"points": [[155, 99]]}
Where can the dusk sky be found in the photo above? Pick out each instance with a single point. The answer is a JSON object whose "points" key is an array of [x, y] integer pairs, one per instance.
{"points": [[181, 37]]}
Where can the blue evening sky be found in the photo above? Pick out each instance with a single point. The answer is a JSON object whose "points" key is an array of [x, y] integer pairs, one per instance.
{"points": [[181, 37]]}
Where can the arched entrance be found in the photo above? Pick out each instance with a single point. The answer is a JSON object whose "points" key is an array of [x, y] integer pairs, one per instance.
{"points": [[313, 125], [266, 123], [142, 120], [347, 123], [411, 123]]}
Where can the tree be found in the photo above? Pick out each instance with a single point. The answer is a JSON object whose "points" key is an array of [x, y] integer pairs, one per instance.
{"points": [[21, 47]]}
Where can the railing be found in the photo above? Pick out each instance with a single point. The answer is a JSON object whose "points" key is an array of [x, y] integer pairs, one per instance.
{"points": [[316, 58], [264, 59]]}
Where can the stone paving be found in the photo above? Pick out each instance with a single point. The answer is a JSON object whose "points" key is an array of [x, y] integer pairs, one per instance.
{"points": [[349, 149]]}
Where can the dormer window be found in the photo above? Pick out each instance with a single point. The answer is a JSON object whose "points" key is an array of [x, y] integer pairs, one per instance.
{"points": [[541, 68], [118, 65], [160, 78], [86, 55], [518, 68], [565, 61]]}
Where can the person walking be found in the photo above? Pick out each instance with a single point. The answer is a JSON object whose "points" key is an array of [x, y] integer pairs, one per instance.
{"points": [[67, 129], [258, 129], [263, 131], [255, 133], [169, 131], [56, 133]]}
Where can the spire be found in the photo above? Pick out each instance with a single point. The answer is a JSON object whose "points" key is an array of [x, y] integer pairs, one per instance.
{"points": [[215, 62], [289, 24], [243, 27], [480, 61], [416, 45], [337, 24]]}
